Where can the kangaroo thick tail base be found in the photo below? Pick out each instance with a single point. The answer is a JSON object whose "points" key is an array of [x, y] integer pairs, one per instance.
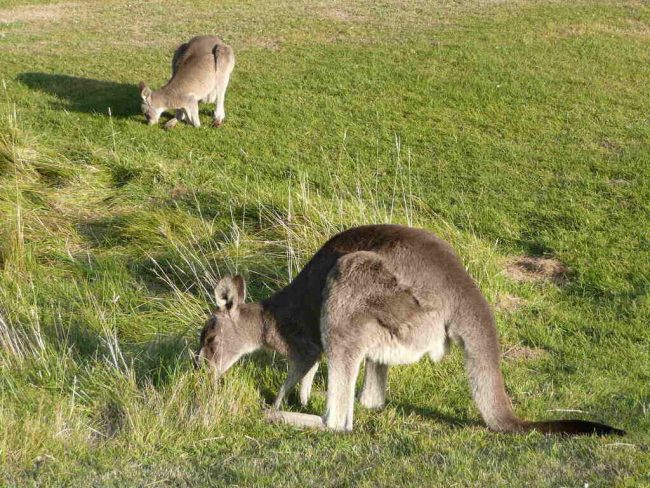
{"points": [[571, 427], [475, 330]]}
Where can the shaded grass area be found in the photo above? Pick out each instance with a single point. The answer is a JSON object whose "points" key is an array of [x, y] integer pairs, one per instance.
{"points": [[82, 94], [509, 129]]}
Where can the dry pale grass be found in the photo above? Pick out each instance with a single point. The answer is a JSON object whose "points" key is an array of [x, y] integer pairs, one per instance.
{"points": [[630, 28], [263, 42], [339, 13], [40, 13], [519, 352], [510, 303]]}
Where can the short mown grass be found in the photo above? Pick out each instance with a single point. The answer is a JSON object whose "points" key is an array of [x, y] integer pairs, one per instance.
{"points": [[509, 128]]}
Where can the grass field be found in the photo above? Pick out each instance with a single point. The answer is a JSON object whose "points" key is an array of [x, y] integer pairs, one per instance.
{"points": [[512, 129]]}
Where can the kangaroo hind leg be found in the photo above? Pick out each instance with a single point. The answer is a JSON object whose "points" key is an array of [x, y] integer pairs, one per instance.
{"points": [[375, 378], [192, 113], [365, 307], [342, 375], [225, 62]]}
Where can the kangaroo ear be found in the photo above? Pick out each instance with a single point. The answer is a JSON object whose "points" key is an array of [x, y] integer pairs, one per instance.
{"points": [[145, 91], [229, 293]]}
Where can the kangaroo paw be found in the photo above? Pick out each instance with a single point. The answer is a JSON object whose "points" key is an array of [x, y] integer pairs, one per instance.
{"points": [[294, 418], [170, 124]]}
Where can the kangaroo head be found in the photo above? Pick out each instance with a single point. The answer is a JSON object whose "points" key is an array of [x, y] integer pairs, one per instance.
{"points": [[151, 107], [230, 332]]}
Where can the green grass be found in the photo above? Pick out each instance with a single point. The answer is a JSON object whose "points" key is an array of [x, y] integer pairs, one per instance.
{"points": [[515, 128]]}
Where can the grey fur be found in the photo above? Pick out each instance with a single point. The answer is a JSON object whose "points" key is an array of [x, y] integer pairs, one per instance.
{"points": [[386, 294], [201, 71]]}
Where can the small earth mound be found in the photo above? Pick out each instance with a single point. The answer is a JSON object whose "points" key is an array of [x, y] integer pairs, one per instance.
{"points": [[338, 14], [523, 353], [179, 192], [618, 182], [528, 269], [510, 303], [611, 145], [270, 43]]}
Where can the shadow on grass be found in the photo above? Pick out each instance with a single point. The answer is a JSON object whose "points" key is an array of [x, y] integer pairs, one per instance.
{"points": [[154, 362], [430, 413], [85, 94], [106, 232]]}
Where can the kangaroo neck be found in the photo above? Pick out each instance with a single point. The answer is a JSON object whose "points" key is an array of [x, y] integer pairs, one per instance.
{"points": [[274, 327], [168, 98]]}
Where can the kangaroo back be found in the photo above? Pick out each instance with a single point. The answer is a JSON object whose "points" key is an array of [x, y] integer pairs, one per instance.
{"points": [[178, 57], [194, 67]]}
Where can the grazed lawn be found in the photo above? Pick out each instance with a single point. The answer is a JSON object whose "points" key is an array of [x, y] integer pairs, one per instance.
{"points": [[511, 129]]}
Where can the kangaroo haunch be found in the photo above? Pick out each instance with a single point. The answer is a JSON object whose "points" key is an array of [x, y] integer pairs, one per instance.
{"points": [[388, 294], [200, 73]]}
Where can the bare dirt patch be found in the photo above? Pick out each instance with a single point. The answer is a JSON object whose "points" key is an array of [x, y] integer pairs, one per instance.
{"points": [[510, 303], [270, 43], [523, 353], [38, 13], [527, 269], [611, 146], [179, 192], [618, 182], [339, 13], [631, 28]]}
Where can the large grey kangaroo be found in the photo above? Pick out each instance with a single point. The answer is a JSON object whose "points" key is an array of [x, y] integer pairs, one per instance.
{"points": [[388, 294], [201, 71]]}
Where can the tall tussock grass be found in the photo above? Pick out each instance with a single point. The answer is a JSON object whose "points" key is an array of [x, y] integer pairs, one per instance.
{"points": [[96, 336]]}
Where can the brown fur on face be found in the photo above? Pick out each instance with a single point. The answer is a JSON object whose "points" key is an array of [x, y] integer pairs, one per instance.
{"points": [[223, 340], [149, 110], [215, 336]]}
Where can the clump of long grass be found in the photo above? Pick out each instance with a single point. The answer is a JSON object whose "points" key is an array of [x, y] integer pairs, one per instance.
{"points": [[19, 344], [21, 155], [113, 373], [273, 244]]}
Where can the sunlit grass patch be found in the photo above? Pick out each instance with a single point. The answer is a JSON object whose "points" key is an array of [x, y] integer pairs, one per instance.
{"points": [[517, 131]]}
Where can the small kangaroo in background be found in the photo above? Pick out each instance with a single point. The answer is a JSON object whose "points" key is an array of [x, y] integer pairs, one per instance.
{"points": [[201, 71], [386, 294]]}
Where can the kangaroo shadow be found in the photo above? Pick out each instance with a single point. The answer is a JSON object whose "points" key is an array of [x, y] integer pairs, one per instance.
{"points": [[431, 413], [86, 95]]}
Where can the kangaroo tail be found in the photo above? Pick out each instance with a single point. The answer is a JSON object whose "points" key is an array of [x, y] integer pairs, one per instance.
{"points": [[224, 58], [475, 330], [572, 427], [215, 53]]}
